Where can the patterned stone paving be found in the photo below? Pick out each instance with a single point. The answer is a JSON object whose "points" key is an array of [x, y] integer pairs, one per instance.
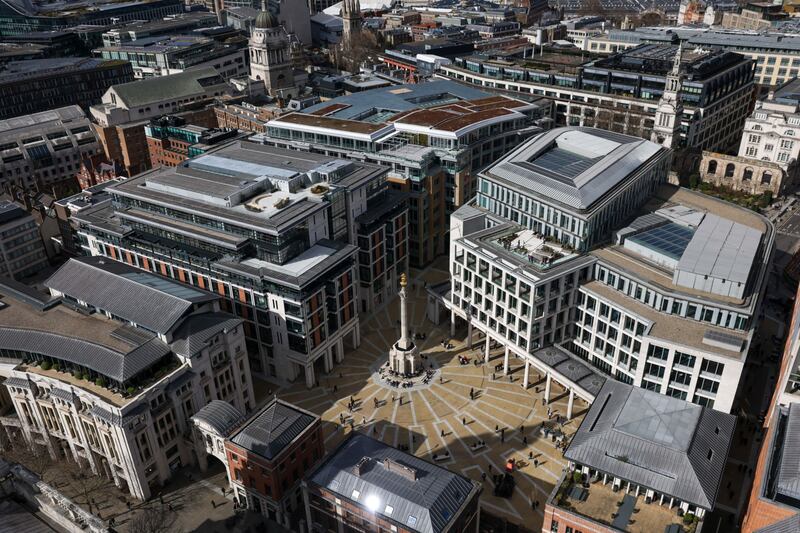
{"points": [[440, 420]]}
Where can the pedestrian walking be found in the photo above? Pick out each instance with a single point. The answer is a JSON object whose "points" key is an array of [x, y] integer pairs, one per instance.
{"points": [[535, 463], [213, 504], [525, 440], [464, 421], [442, 433]]}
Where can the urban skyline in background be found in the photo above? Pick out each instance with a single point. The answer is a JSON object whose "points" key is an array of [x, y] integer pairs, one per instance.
{"points": [[409, 266]]}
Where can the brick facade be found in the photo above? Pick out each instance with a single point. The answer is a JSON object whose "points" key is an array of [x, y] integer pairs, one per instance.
{"points": [[272, 486], [762, 512]]}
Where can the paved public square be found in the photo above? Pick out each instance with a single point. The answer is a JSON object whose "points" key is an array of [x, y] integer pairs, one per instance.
{"points": [[439, 422]]}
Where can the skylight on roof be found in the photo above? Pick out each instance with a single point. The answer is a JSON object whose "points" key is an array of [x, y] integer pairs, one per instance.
{"points": [[670, 239], [585, 144]]}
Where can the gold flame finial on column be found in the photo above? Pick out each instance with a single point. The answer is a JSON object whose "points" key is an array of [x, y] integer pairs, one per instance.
{"points": [[403, 280]]}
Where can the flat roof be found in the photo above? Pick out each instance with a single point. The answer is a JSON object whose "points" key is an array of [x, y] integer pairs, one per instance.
{"points": [[674, 329], [61, 116], [329, 122], [230, 183], [12, 72], [399, 98], [721, 248]]}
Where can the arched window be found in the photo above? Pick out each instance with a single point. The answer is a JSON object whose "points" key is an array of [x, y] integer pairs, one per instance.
{"points": [[712, 167], [790, 133], [730, 168], [766, 178], [748, 174]]}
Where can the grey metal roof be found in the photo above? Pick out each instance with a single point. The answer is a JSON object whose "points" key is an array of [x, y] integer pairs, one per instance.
{"points": [[433, 499], [788, 475], [103, 360], [17, 382], [571, 367], [788, 43], [119, 419], [666, 444], [273, 428], [62, 394], [721, 248], [398, 98], [220, 415], [193, 333], [787, 525], [197, 185], [574, 166], [145, 299]]}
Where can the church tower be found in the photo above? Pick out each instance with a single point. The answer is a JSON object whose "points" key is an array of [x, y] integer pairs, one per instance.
{"points": [[667, 129], [351, 17], [270, 56]]}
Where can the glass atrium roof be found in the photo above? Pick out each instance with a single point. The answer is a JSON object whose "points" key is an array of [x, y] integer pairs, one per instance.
{"points": [[671, 239]]}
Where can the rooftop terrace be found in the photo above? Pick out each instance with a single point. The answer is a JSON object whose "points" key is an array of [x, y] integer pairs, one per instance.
{"points": [[602, 503], [254, 185]]}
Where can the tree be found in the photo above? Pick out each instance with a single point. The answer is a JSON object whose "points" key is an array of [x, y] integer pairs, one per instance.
{"points": [[363, 48], [592, 7], [156, 519], [83, 482]]}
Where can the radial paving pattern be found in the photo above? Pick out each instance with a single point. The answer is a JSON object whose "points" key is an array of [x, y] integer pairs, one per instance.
{"points": [[440, 420]]}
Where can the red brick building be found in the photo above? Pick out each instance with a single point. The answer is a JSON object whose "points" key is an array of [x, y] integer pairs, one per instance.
{"points": [[268, 456], [96, 169], [171, 140], [366, 485], [769, 505], [245, 117]]}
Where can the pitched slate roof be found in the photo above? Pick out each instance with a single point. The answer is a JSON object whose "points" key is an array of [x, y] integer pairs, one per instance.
{"points": [[787, 525], [116, 365], [666, 444], [193, 333], [788, 475], [359, 471], [273, 428], [145, 299], [220, 415]]}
